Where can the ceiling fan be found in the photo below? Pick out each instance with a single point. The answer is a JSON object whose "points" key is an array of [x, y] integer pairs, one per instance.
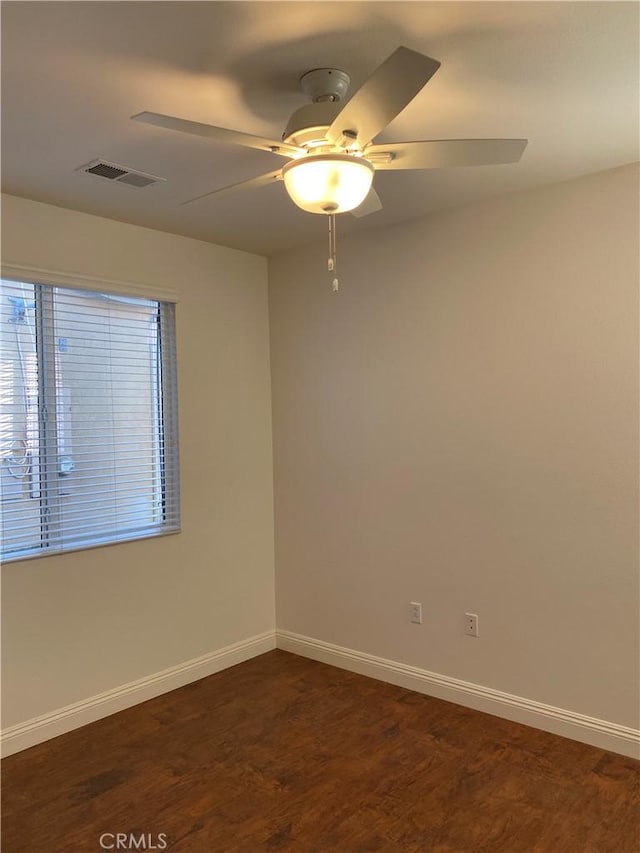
{"points": [[329, 144]]}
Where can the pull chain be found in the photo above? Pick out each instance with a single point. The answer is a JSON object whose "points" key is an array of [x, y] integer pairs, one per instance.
{"points": [[331, 265]]}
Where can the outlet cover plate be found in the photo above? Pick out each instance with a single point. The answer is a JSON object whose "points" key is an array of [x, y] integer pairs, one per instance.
{"points": [[471, 624]]}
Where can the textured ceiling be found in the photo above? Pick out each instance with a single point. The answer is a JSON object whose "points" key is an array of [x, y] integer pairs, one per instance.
{"points": [[564, 75]]}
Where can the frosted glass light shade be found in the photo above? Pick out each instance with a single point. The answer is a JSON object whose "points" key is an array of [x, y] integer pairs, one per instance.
{"points": [[328, 183]]}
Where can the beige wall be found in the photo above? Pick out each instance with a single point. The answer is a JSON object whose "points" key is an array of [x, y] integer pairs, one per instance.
{"points": [[458, 426], [76, 625]]}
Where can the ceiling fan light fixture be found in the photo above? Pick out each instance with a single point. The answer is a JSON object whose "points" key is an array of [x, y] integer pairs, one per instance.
{"points": [[328, 183]]}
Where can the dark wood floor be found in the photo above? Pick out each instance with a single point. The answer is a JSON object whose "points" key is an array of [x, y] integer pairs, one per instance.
{"points": [[283, 753]]}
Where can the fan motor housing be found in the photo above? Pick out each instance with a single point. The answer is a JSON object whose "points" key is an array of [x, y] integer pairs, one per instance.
{"points": [[308, 125]]}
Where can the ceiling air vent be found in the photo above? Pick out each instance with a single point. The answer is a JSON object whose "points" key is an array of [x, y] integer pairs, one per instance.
{"points": [[119, 174]]}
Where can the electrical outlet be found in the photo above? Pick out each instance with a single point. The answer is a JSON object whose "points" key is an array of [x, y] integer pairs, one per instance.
{"points": [[471, 624], [416, 612]]}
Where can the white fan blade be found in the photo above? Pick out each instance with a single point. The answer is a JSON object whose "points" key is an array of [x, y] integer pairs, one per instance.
{"points": [[220, 134], [252, 183], [442, 153], [379, 100], [371, 204]]}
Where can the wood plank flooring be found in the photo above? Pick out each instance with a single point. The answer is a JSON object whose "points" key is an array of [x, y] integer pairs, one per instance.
{"points": [[286, 754]]}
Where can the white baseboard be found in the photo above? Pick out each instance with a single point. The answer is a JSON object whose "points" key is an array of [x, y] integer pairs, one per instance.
{"points": [[39, 729], [600, 733]]}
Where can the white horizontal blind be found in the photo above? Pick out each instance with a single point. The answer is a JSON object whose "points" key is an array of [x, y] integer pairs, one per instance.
{"points": [[88, 430]]}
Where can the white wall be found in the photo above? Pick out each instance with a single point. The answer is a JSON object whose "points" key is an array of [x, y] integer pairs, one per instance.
{"points": [[77, 625], [459, 426]]}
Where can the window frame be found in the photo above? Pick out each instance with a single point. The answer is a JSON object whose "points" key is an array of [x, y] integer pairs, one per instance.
{"points": [[166, 401]]}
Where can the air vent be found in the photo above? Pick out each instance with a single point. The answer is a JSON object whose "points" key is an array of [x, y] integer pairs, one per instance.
{"points": [[102, 170], [119, 174]]}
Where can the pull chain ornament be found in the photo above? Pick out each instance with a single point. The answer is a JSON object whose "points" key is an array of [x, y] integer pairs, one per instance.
{"points": [[331, 264]]}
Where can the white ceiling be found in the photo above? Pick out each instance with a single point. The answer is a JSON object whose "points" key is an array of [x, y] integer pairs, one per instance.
{"points": [[564, 75]]}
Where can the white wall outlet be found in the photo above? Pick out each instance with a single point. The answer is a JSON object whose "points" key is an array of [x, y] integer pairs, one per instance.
{"points": [[471, 624], [415, 612]]}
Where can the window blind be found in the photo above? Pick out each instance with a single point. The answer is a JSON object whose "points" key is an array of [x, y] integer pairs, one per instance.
{"points": [[88, 422]]}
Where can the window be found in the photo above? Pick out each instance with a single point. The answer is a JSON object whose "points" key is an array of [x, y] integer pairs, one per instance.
{"points": [[88, 419]]}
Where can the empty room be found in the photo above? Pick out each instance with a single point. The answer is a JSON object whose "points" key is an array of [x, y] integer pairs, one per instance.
{"points": [[319, 457]]}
